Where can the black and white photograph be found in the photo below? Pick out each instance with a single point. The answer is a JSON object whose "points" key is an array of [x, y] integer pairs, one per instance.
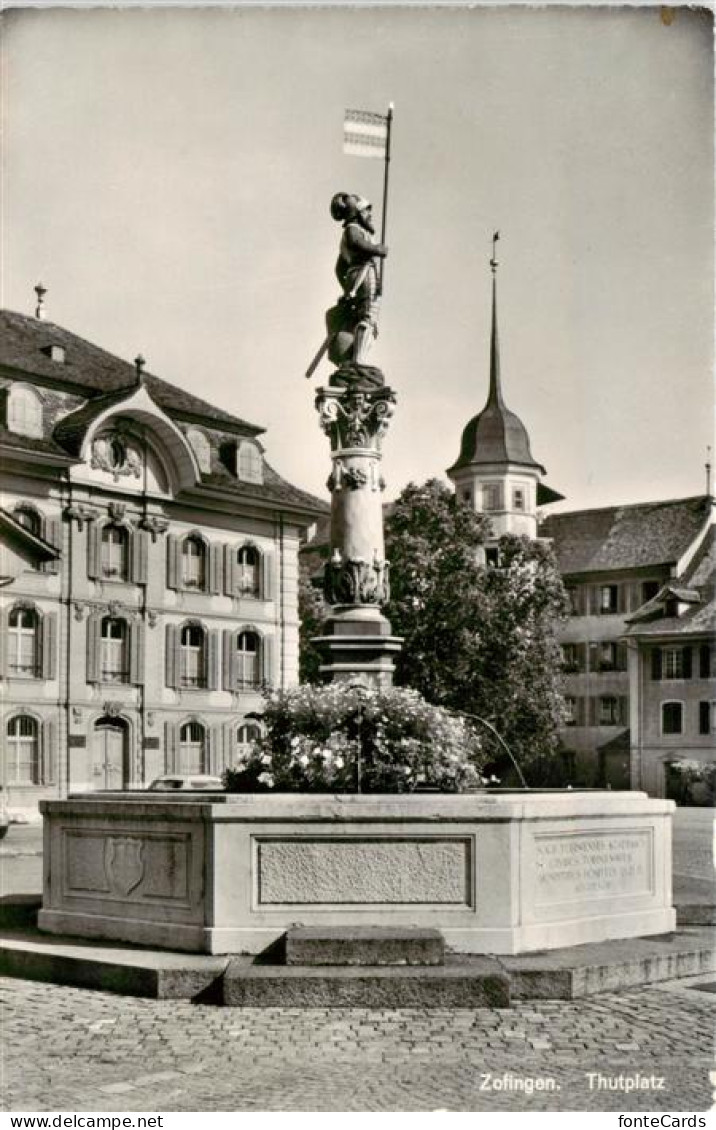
{"points": [[357, 562]]}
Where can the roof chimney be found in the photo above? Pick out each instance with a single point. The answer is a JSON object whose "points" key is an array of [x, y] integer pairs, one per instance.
{"points": [[40, 291], [139, 364]]}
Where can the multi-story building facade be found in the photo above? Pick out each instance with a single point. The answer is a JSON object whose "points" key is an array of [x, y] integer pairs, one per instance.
{"points": [[614, 562], [148, 558], [672, 646]]}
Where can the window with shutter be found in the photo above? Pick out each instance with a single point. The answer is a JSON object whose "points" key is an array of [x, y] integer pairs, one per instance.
{"points": [[248, 571], [216, 568], [192, 748], [94, 645], [52, 533], [248, 671], [706, 712], [656, 663], [49, 645], [171, 657], [114, 651], [608, 711], [22, 755], [212, 660], [140, 557], [192, 656], [608, 599], [23, 652], [672, 664], [193, 564], [705, 661], [114, 553], [48, 773], [672, 718], [570, 705]]}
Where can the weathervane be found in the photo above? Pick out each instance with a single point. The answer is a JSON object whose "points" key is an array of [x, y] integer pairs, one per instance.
{"points": [[493, 261]]}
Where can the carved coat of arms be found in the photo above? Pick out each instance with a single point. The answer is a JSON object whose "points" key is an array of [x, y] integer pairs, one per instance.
{"points": [[124, 864]]}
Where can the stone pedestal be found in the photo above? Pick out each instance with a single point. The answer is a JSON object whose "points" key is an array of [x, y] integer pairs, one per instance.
{"points": [[358, 644]]}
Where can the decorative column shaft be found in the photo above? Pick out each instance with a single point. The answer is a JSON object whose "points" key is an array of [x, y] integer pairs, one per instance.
{"points": [[358, 644]]}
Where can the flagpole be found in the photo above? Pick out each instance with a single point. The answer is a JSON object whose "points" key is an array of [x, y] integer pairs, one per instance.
{"points": [[386, 175]]}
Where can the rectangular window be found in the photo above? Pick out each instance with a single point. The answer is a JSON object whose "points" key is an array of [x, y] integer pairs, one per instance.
{"points": [[608, 599], [672, 663], [574, 600], [672, 718], [247, 669], [570, 705], [607, 657], [114, 652], [491, 496], [570, 657], [608, 711], [519, 498]]}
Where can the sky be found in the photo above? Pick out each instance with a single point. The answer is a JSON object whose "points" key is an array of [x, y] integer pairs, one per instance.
{"points": [[167, 174]]}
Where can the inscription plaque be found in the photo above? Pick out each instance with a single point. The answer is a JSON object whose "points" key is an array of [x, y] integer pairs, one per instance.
{"points": [[573, 866], [388, 870]]}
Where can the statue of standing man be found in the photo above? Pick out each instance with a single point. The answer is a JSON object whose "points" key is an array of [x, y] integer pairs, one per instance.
{"points": [[352, 323]]}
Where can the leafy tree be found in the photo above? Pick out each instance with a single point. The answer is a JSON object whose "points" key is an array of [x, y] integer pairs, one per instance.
{"points": [[312, 613], [478, 639]]}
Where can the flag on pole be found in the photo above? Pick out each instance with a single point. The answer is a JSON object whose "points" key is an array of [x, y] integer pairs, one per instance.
{"points": [[365, 134]]}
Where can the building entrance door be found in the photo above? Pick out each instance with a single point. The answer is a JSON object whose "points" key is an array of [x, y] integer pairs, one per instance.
{"points": [[109, 754]]}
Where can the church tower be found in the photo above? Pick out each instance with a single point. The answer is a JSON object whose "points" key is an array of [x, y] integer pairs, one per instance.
{"points": [[495, 471]]}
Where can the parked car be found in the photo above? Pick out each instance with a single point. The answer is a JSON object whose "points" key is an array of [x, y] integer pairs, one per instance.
{"points": [[174, 782], [4, 818]]}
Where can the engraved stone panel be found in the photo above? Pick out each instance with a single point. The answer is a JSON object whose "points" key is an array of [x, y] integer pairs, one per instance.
{"points": [[601, 865], [356, 871]]}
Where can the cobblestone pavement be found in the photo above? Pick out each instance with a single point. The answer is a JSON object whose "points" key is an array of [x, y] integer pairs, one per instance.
{"points": [[77, 1050]]}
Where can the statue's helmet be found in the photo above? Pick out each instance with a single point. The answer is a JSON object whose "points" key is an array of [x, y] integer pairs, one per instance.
{"points": [[345, 206]]}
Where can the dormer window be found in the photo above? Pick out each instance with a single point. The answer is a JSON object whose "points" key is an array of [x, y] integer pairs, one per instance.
{"points": [[24, 411], [55, 353], [249, 467]]}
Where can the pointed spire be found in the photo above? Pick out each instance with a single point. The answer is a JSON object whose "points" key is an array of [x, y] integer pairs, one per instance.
{"points": [[495, 394]]}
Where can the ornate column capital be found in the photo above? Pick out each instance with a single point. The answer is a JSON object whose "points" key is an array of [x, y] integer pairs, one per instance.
{"points": [[355, 418]]}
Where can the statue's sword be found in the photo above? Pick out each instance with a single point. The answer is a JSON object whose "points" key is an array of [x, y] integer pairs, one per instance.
{"points": [[326, 344]]}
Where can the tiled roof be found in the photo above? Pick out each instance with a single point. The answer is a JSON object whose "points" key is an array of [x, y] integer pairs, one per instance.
{"points": [[94, 371], [698, 620], [45, 446], [625, 537], [696, 587], [272, 489]]}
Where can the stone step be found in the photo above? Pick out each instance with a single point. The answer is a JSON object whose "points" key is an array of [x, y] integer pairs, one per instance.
{"points": [[481, 984], [364, 945]]}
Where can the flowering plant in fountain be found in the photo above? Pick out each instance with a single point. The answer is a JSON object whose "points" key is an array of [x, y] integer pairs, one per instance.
{"points": [[339, 738]]}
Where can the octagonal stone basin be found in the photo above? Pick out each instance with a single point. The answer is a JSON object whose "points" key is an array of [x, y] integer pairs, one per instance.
{"points": [[497, 872]]}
